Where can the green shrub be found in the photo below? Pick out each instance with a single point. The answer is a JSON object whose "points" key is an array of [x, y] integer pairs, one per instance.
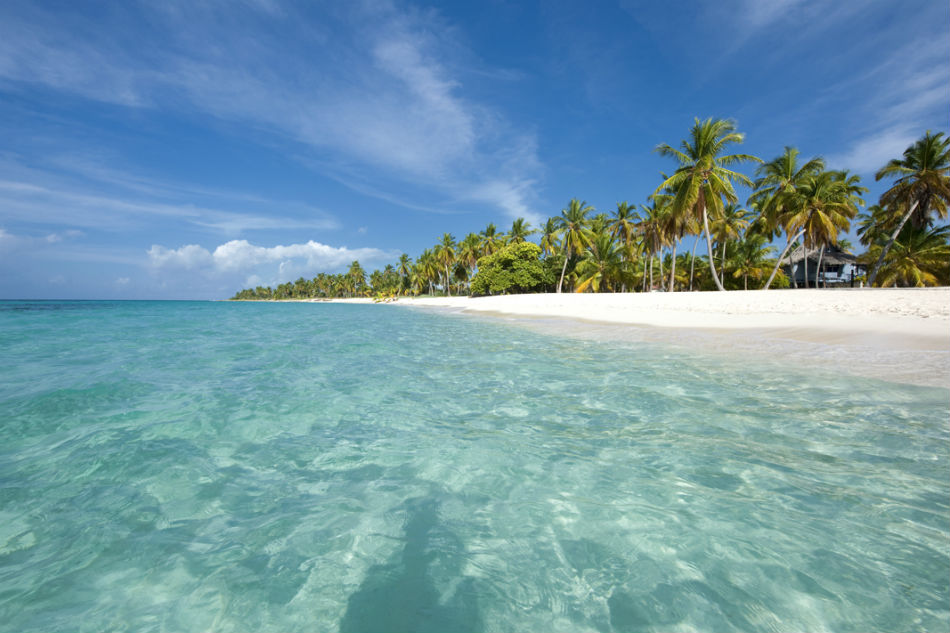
{"points": [[516, 268]]}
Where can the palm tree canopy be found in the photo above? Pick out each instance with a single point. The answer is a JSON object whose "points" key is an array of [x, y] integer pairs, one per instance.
{"points": [[703, 178], [520, 230], [922, 176], [572, 225]]}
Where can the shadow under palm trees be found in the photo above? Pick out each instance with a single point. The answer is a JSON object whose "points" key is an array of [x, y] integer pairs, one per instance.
{"points": [[422, 589]]}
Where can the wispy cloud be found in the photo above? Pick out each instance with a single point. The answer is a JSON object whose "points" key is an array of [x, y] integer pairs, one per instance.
{"points": [[384, 94]]}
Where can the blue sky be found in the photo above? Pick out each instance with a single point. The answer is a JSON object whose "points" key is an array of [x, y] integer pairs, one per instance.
{"points": [[189, 149]]}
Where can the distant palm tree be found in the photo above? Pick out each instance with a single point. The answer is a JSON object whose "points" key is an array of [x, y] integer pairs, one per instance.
{"points": [[572, 225], [469, 250], [549, 236], [750, 258], [702, 180], [623, 227], [922, 187], [729, 226], [445, 255], [492, 240], [520, 230], [652, 229], [601, 264]]}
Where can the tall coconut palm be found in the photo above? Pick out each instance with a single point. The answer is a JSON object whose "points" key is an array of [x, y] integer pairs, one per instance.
{"points": [[520, 230], [572, 225], [445, 255], [776, 180], [703, 180], [922, 187], [426, 270]]}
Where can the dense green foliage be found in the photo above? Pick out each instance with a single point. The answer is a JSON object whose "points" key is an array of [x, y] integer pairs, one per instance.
{"points": [[515, 268], [640, 248]]}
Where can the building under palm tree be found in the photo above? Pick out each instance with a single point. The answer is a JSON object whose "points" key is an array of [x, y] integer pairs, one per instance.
{"points": [[838, 268]]}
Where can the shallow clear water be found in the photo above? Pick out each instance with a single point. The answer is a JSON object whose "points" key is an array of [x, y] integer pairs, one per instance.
{"points": [[216, 466]]}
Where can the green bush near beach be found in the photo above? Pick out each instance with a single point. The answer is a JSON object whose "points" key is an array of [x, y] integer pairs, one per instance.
{"points": [[514, 268]]}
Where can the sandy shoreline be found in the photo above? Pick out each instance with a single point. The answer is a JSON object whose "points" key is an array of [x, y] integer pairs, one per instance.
{"points": [[894, 334]]}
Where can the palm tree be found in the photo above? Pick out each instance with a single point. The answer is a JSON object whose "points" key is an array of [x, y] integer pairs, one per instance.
{"points": [[652, 229], [702, 181], [356, 278], [572, 225], [729, 227], [821, 207], [492, 240], [623, 227], [426, 270], [922, 186], [750, 258], [776, 180], [520, 230], [601, 265], [445, 255], [469, 251], [404, 268], [549, 234], [918, 257]]}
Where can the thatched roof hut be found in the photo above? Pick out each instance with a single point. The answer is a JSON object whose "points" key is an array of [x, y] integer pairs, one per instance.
{"points": [[833, 256]]}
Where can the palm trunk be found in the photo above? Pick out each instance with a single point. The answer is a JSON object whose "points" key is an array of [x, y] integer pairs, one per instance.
{"points": [[821, 253], [805, 263], [692, 261], [662, 274], [722, 269], [673, 267], [778, 263], [709, 251], [448, 282], [745, 282], [651, 271], [890, 242], [567, 255]]}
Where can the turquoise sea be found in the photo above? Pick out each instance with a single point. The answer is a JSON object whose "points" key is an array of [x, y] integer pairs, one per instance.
{"points": [[178, 466]]}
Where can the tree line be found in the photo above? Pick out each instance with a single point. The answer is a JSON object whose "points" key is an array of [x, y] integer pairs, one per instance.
{"points": [[637, 248]]}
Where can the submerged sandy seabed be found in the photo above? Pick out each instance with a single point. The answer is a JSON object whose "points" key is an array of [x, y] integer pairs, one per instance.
{"points": [[901, 335]]}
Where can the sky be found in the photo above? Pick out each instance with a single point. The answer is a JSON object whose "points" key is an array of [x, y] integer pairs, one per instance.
{"points": [[186, 149]]}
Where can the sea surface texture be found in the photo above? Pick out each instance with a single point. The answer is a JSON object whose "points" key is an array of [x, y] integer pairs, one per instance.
{"points": [[315, 467]]}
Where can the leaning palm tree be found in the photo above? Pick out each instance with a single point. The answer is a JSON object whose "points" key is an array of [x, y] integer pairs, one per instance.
{"points": [[777, 179], [922, 186], [703, 180], [572, 225]]}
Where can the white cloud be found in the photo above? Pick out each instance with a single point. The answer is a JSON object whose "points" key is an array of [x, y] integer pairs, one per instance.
{"points": [[253, 263], [122, 281]]}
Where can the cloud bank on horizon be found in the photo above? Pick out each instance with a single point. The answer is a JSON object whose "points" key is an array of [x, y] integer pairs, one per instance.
{"points": [[183, 150]]}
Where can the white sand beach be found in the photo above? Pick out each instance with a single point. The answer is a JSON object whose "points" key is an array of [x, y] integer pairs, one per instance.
{"points": [[892, 333]]}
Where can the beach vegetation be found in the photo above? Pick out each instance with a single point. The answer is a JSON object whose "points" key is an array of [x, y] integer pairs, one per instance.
{"points": [[516, 268], [796, 206], [920, 192]]}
